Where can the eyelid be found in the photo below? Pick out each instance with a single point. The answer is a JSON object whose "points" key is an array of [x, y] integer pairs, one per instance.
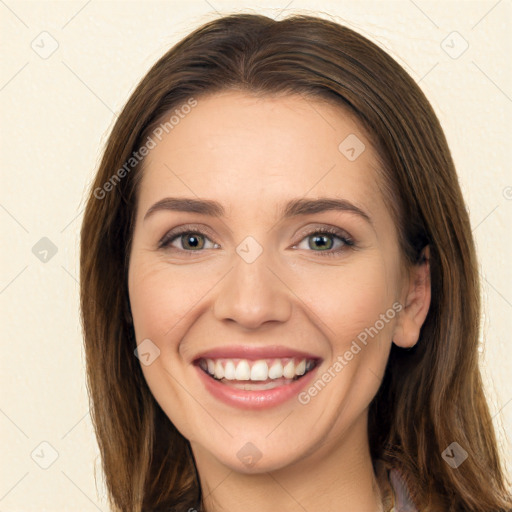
{"points": [[325, 228], [201, 229], [185, 228]]}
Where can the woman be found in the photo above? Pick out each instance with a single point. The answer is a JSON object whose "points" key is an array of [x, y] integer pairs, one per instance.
{"points": [[279, 288]]}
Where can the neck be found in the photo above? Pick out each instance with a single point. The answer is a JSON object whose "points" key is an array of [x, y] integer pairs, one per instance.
{"points": [[337, 476]]}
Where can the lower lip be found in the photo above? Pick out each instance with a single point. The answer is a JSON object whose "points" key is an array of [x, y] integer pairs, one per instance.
{"points": [[255, 399]]}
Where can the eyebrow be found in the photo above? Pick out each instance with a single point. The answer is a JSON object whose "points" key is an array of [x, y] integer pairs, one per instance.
{"points": [[292, 208]]}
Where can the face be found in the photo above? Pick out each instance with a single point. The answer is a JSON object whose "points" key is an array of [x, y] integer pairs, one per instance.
{"points": [[291, 306]]}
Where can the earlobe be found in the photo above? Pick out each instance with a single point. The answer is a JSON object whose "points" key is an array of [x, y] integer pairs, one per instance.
{"points": [[417, 303]]}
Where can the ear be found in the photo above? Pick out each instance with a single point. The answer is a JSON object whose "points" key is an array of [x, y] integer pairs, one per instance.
{"points": [[416, 304]]}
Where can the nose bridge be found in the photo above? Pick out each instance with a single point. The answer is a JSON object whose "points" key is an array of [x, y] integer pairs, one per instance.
{"points": [[252, 294]]}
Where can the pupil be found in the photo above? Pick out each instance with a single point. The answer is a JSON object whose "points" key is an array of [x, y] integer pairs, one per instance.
{"points": [[318, 240], [193, 244]]}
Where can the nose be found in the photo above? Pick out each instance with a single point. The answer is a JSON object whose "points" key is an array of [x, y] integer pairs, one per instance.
{"points": [[253, 294]]}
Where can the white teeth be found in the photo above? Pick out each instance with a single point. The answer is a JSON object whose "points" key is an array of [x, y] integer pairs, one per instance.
{"points": [[229, 371], [289, 370], [219, 370], [300, 369], [276, 371], [259, 370], [243, 371]]}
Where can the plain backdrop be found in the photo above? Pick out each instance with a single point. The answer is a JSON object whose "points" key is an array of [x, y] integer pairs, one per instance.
{"points": [[69, 67]]}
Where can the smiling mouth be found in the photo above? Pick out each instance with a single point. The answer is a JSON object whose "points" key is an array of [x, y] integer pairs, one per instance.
{"points": [[256, 375]]}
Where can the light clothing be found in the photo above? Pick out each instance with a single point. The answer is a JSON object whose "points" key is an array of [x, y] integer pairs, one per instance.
{"points": [[395, 494]]}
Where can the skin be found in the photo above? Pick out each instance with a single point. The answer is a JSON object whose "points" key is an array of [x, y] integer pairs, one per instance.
{"points": [[253, 154]]}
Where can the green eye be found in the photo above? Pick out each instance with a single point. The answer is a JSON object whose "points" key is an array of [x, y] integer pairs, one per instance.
{"points": [[321, 241]]}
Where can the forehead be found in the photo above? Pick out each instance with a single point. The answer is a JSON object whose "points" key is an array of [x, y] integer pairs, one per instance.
{"points": [[241, 149]]}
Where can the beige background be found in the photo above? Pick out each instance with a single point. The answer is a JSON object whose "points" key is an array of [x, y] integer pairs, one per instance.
{"points": [[57, 111]]}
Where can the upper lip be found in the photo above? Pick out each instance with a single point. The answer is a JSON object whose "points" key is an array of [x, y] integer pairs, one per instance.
{"points": [[253, 352]]}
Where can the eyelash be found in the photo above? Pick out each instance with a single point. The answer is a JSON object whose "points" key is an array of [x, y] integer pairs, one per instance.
{"points": [[348, 242]]}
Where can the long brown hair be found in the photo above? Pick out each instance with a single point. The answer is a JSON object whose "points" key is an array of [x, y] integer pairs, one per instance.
{"points": [[431, 395]]}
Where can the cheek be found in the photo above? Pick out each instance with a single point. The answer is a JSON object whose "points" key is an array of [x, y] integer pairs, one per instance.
{"points": [[164, 303], [154, 308], [349, 299], [164, 299]]}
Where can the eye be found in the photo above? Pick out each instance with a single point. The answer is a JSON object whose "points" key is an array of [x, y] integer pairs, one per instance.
{"points": [[323, 240], [192, 239], [188, 238]]}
